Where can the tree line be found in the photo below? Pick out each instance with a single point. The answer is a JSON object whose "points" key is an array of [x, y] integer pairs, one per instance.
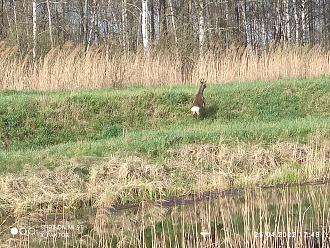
{"points": [[178, 25]]}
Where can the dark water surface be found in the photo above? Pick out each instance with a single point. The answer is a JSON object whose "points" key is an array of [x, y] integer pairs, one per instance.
{"points": [[296, 216]]}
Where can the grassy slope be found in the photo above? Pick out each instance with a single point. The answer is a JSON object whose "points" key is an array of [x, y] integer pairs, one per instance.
{"points": [[69, 144], [158, 119]]}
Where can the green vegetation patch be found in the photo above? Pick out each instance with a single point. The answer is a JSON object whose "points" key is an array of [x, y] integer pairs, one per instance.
{"points": [[37, 119]]}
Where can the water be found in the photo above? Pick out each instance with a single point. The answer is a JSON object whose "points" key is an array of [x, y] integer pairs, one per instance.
{"points": [[296, 216]]}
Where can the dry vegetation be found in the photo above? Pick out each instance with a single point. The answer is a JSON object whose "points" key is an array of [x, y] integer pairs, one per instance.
{"points": [[192, 169], [69, 67], [229, 221]]}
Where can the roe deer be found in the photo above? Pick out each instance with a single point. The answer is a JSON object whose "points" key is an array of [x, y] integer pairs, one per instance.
{"points": [[199, 102]]}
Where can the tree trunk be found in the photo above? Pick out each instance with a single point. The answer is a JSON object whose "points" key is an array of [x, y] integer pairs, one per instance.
{"points": [[152, 20], [246, 26], [50, 24], [297, 28], [278, 29], [16, 28], [145, 35], [85, 24], [162, 16], [265, 30], [63, 21], [34, 21], [124, 24], [303, 21], [2, 23], [89, 42], [324, 28], [287, 20], [201, 31], [27, 31], [173, 22]]}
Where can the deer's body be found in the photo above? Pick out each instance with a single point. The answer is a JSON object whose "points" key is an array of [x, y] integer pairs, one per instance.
{"points": [[199, 102]]}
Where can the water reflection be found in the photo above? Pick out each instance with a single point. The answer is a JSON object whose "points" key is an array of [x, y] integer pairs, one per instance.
{"points": [[275, 217]]}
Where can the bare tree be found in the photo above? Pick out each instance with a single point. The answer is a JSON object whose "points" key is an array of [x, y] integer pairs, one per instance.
{"points": [[85, 24], [287, 19], [145, 33], [50, 24], [193, 25], [201, 31], [34, 21], [303, 21], [296, 18], [124, 24], [16, 28], [173, 21]]}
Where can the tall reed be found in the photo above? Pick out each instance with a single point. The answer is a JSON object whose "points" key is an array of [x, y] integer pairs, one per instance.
{"points": [[69, 67]]}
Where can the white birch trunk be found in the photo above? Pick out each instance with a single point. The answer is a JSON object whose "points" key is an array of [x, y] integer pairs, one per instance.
{"points": [[303, 21], [173, 22], [227, 24], [16, 28], [34, 21], [278, 21], [50, 25], [145, 35], [124, 24], [246, 26], [201, 31], [93, 26], [263, 34], [296, 21], [85, 23]]}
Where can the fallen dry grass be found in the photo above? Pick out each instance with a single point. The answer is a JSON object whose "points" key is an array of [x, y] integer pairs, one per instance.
{"points": [[191, 169], [237, 220], [69, 67]]}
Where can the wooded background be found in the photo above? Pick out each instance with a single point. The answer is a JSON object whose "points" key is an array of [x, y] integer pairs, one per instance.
{"points": [[74, 44], [183, 25]]}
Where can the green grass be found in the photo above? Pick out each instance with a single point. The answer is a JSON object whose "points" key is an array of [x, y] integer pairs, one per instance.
{"points": [[90, 122], [67, 148]]}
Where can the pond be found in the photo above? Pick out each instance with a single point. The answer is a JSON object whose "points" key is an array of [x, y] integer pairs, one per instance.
{"points": [[295, 216]]}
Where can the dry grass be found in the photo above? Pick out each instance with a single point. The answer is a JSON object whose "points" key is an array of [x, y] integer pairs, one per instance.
{"points": [[228, 221], [70, 68], [192, 169]]}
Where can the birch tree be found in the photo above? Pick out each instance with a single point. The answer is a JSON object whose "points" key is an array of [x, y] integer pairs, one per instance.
{"points": [[85, 23], [152, 20], [287, 19], [162, 17], [16, 28], [145, 35], [296, 19], [194, 25], [34, 21], [2, 24], [124, 24], [50, 24], [92, 29], [303, 21], [201, 31], [173, 21]]}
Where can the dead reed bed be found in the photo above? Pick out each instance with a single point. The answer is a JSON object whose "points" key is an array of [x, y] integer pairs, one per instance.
{"points": [[278, 217], [69, 67]]}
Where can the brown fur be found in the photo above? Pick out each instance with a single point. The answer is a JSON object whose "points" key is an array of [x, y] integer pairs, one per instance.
{"points": [[199, 100]]}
